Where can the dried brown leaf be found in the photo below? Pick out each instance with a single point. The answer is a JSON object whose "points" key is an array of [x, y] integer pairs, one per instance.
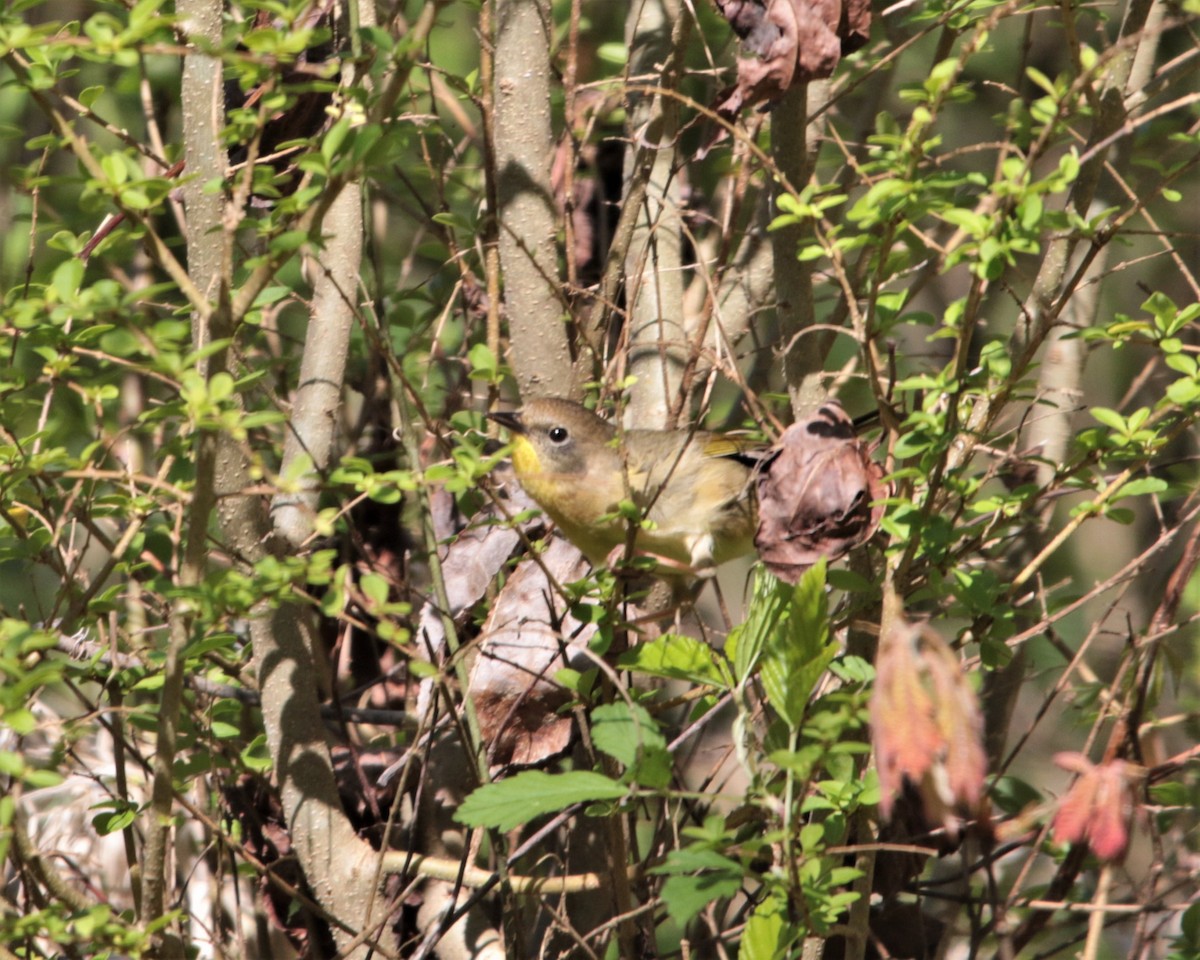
{"points": [[475, 557], [788, 42], [528, 637], [815, 494]]}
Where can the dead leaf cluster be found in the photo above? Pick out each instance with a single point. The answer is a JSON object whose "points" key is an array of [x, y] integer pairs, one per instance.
{"points": [[819, 494], [789, 42]]}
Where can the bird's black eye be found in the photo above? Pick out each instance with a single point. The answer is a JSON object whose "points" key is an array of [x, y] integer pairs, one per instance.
{"points": [[558, 434]]}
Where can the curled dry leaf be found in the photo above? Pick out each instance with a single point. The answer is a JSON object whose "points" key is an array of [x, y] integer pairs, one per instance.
{"points": [[815, 494], [1098, 809], [788, 42], [528, 637], [926, 726]]}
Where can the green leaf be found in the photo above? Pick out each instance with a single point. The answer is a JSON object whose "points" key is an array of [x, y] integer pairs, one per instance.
{"points": [[1183, 392], [614, 54], [1042, 81], [622, 729], [627, 733], [1170, 794], [698, 876], [686, 896], [483, 362], [288, 241], [517, 800], [1110, 418], [768, 934], [335, 138], [678, 657], [1012, 795], [67, 277], [1189, 925], [849, 581], [257, 755], [791, 625], [110, 821], [1140, 487], [375, 588]]}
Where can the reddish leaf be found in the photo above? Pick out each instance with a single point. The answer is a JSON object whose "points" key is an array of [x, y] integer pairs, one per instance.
{"points": [[926, 727], [1098, 809]]}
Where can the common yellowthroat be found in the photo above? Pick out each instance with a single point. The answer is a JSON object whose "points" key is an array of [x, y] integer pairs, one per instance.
{"points": [[692, 486]]}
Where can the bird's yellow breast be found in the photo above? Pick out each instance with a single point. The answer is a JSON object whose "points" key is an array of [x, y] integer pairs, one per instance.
{"points": [[575, 500]]}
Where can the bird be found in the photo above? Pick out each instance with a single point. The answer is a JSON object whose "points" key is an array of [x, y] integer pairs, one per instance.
{"points": [[692, 489]]}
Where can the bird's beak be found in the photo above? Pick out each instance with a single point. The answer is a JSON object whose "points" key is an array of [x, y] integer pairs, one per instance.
{"points": [[510, 419]]}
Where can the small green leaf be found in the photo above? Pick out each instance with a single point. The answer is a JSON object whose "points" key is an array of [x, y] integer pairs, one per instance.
{"points": [[112, 821], [257, 755], [483, 361], [1170, 794], [1183, 392], [335, 138], [67, 277], [614, 54], [375, 587], [1110, 418], [1189, 925], [1042, 81], [1141, 487], [698, 876], [289, 241]]}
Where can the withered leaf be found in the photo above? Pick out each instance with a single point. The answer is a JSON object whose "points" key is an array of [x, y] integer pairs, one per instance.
{"points": [[528, 637], [926, 726], [788, 42], [474, 558], [815, 494]]}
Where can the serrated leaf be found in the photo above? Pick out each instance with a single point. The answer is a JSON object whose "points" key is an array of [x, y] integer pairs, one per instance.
{"points": [[794, 624]]}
